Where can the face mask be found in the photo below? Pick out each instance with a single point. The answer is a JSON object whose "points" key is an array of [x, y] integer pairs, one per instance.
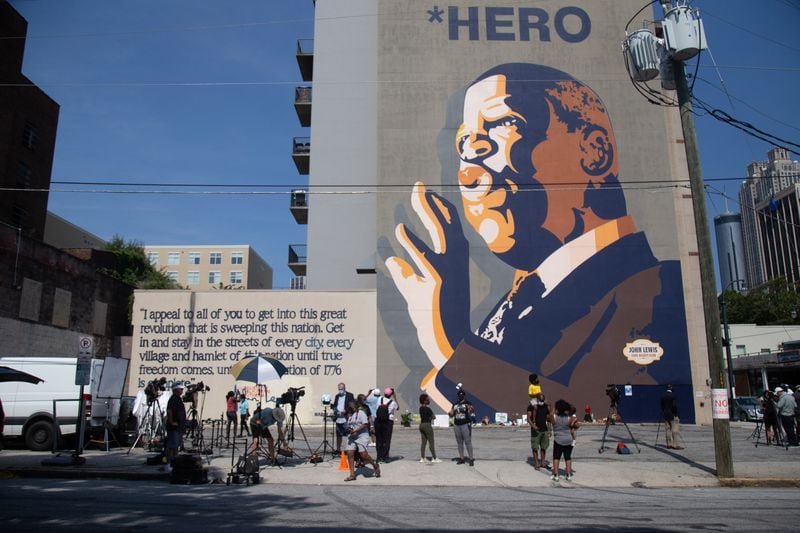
{"points": [[341, 392]]}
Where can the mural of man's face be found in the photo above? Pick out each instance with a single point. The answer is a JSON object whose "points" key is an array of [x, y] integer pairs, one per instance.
{"points": [[522, 175], [486, 176]]}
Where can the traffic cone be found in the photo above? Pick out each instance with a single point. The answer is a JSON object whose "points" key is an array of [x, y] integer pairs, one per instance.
{"points": [[343, 463]]}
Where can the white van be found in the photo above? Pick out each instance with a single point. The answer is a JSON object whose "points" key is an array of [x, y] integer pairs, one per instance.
{"points": [[29, 408]]}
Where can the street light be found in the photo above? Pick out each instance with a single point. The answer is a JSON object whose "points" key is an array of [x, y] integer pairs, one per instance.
{"points": [[733, 412]]}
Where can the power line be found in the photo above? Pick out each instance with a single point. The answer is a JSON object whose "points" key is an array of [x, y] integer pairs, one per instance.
{"points": [[629, 181], [747, 30], [743, 102]]}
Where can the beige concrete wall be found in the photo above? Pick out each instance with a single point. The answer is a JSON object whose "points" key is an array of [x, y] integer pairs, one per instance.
{"points": [[322, 338]]}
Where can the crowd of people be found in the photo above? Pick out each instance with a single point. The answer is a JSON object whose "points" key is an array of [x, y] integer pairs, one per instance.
{"points": [[366, 420], [781, 416]]}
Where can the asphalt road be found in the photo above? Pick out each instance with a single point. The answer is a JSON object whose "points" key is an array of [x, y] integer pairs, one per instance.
{"points": [[94, 505]]}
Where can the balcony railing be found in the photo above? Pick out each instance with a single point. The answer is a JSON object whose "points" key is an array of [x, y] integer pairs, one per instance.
{"points": [[298, 205], [297, 259], [305, 58], [301, 153], [302, 104]]}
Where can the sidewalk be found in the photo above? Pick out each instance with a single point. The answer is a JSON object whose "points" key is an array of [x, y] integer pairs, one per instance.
{"points": [[501, 459]]}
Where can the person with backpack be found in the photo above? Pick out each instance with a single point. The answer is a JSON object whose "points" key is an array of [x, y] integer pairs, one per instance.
{"points": [[537, 420], [384, 423]]}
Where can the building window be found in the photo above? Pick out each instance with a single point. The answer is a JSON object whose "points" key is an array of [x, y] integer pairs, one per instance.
{"points": [[215, 258], [23, 175], [152, 258], [214, 277], [236, 278], [193, 277], [172, 275], [174, 258], [194, 258], [741, 350], [237, 258], [30, 137]]}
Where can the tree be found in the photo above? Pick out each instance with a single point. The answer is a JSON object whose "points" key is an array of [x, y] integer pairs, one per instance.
{"points": [[132, 267], [770, 304]]}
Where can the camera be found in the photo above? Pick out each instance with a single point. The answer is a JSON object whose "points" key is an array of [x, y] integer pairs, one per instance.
{"points": [[293, 395], [154, 389], [613, 393], [194, 388]]}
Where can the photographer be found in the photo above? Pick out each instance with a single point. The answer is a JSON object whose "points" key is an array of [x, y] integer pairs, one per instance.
{"points": [[176, 422], [672, 424], [259, 425]]}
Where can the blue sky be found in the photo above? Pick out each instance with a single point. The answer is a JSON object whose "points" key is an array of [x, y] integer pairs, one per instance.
{"points": [[202, 91]]}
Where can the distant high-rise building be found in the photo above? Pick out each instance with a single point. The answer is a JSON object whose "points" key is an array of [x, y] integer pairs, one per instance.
{"points": [[779, 228], [28, 123], [728, 230], [765, 181]]}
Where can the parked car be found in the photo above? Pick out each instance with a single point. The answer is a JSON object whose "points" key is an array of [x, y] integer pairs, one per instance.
{"points": [[747, 408]]}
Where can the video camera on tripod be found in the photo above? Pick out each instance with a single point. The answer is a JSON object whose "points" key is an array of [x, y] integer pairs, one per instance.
{"points": [[613, 394], [154, 389], [292, 396], [191, 391]]}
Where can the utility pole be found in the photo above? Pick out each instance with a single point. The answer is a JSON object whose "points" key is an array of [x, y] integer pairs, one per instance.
{"points": [[721, 426]]}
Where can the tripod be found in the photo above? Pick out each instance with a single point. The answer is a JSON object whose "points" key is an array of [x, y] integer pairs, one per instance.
{"points": [[196, 425], [778, 436], [326, 446], [612, 411], [154, 426], [312, 456]]}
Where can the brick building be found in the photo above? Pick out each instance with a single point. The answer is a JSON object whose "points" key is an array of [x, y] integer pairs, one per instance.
{"points": [[28, 123]]}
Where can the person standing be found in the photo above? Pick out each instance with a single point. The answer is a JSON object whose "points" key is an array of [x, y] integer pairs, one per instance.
{"points": [[230, 414], [564, 428], [176, 423], [462, 413], [384, 423], [537, 420], [672, 423], [244, 414], [340, 403], [357, 431], [770, 418], [426, 429], [786, 407], [372, 402]]}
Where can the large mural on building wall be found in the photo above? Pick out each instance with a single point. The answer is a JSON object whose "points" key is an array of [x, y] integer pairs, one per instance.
{"points": [[586, 302]]}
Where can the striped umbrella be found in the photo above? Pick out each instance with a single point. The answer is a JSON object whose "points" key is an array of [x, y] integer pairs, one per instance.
{"points": [[257, 369]]}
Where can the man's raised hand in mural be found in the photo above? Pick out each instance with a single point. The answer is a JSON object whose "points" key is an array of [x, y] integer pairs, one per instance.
{"points": [[437, 291]]}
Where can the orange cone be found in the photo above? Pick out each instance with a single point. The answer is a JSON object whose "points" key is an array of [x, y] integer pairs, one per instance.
{"points": [[343, 463]]}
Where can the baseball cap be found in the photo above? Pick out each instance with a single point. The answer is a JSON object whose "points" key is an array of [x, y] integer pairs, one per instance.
{"points": [[376, 392], [177, 385], [778, 389], [388, 391]]}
